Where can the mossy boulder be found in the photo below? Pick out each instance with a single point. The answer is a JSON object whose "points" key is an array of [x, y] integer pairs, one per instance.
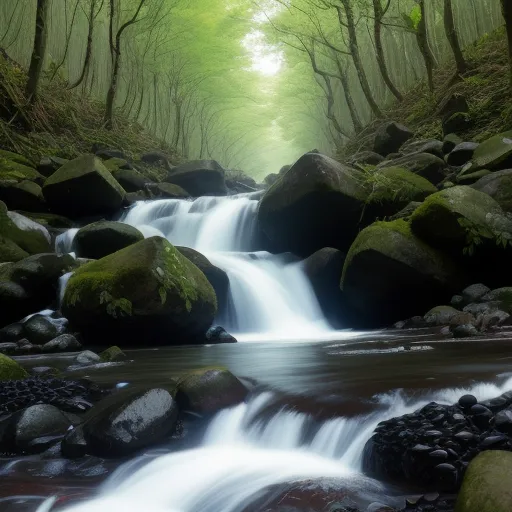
{"points": [[15, 157], [17, 171], [199, 178], [20, 236], [83, 187], [428, 166], [494, 153], [147, 292], [10, 369], [448, 315], [130, 179], [316, 204], [25, 195], [207, 390], [389, 137], [114, 164], [167, 191], [49, 220], [393, 188], [113, 354], [433, 146], [390, 274], [215, 275], [459, 217], [102, 238], [487, 484], [498, 185], [466, 178]]}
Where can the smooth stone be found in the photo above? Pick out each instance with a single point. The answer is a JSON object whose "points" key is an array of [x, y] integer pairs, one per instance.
{"points": [[64, 342], [438, 454], [87, 357], [493, 441], [503, 421], [467, 401]]}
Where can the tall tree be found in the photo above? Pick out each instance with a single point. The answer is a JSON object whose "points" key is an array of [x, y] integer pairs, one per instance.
{"points": [[38, 51], [453, 38], [506, 8]]}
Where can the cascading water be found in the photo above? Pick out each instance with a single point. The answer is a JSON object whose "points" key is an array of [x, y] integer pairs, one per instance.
{"points": [[270, 297], [245, 451]]}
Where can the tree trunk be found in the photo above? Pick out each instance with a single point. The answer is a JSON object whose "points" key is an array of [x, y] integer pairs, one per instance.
{"points": [[381, 60], [426, 52], [506, 8], [356, 56], [356, 122], [88, 49], [38, 51], [451, 34], [111, 94]]}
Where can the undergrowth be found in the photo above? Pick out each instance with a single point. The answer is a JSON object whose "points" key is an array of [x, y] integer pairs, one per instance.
{"points": [[63, 122], [485, 85]]}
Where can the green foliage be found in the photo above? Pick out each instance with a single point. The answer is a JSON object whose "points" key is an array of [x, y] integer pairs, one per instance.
{"points": [[477, 234]]}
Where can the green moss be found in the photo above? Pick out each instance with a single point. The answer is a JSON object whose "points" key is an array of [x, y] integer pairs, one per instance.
{"points": [[113, 164], [112, 354], [10, 170], [10, 369], [9, 251], [492, 152], [14, 157]]}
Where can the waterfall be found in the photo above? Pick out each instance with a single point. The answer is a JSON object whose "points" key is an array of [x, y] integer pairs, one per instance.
{"points": [[270, 297], [244, 451]]}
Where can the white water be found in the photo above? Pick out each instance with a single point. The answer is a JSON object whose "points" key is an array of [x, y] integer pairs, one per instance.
{"points": [[245, 451]]}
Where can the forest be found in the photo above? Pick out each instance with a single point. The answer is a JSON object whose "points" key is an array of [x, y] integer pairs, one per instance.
{"points": [[252, 84]]}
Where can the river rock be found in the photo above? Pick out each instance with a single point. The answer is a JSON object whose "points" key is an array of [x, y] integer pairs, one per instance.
{"points": [[130, 179], [389, 137], [428, 166], [499, 186], [450, 141], [87, 357], [62, 343], [83, 187], [432, 146], [199, 178], [218, 334], [145, 292], [10, 369], [167, 191], [494, 153], [316, 204], [128, 421], [388, 260], [464, 331], [323, 269], [447, 315], [25, 195], [461, 153], [474, 293], [207, 390], [113, 354], [102, 238], [40, 329], [24, 432], [486, 485], [11, 333]]}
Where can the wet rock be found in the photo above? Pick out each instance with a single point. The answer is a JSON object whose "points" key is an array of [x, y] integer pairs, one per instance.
{"points": [[39, 329], [450, 141], [87, 357], [113, 354], [128, 421], [461, 153], [503, 421], [426, 165], [10, 369], [447, 476], [474, 293], [494, 153], [8, 348], [481, 416], [199, 178], [457, 301], [62, 343], [496, 318], [25, 195], [218, 334], [467, 401], [499, 186], [49, 164], [167, 191], [44, 371], [74, 444], [432, 146], [447, 315], [483, 308], [11, 333], [389, 137], [206, 391], [31, 424]]}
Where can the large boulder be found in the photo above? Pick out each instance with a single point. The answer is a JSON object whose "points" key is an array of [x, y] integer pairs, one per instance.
{"points": [[147, 292], [498, 185], [128, 421], [428, 166], [199, 178], [323, 269], [238, 181], [130, 179], [494, 153], [207, 390], [20, 236], [102, 238], [25, 195], [83, 187], [450, 218], [389, 137], [215, 275], [461, 153], [167, 190], [316, 204], [487, 483], [390, 273], [17, 168]]}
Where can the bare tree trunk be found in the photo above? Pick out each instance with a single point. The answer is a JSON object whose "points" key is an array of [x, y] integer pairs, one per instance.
{"points": [[451, 34], [356, 121], [378, 12], [506, 9], [424, 46], [356, 56], [38, 51]]}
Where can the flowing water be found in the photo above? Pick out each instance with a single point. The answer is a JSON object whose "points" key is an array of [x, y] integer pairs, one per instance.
{"points": [[313, 406]]}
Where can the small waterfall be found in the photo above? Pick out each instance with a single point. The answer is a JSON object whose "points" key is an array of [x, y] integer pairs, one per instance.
{"points": [[270, 298], [244, 452]]}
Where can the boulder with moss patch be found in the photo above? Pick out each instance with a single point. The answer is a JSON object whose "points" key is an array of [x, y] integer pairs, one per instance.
{"points": [[167, 191], [10, 369], [199, 178], [498, 185], [145, 293], [104, 237], [428, 166], [316, 204], [389, 137], [494, 153], [207, 390], [487, 483], [17, 170], [130, 179], [25, 195], [83, 187], [390, 273], [113, 354]]}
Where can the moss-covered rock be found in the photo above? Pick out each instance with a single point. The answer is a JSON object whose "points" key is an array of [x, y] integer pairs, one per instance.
{"points": [[130, 179], [114, 164], [316, 204], [468, 178], [20, 236], [112, 354], [15, 157], [199, 178], [428, 166], [83, 187], [147, 292], [494, 153], [390, 273], [10, 369], [389, 137], [17, 171], [498, 185], [25, 195], [447, 315], [102, 238], [487, 484], [49, 220], [207, 390], [460, 217], [167, 190]]}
